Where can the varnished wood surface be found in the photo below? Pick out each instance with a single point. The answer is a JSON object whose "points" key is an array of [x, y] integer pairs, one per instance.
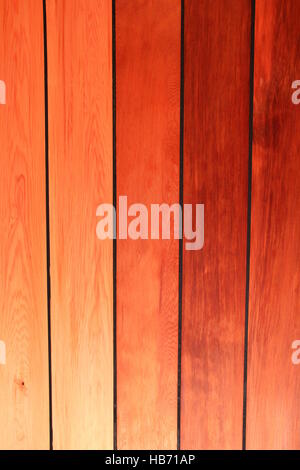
{"points": [[273, 413], [216, 120], [216, 127], [24, 403], [147, 129], [80, 171]]}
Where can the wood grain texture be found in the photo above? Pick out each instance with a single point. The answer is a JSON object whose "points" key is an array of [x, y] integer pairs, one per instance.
{"points": [[148, 111], [80, 171], [273, 412], [216, 121], [24, 401]]}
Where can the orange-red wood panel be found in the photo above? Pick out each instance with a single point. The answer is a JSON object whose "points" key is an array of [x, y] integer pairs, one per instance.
{"points": [[216, 123], [273, 412], [80, 178], [147, 154], [24, 400]]}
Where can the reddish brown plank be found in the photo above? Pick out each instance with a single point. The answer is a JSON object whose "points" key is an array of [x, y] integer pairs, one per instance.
{"points": [[147, 129], [216, 122], [24, 395], [273, 412], [80, 171]]}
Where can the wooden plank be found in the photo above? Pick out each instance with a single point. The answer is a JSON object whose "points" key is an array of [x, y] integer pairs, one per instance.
{"points": [[80, 165], [216, 122], [273, 412], [24, 401], [148, 112]]}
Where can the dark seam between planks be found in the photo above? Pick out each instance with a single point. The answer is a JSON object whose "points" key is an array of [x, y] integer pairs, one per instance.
{"points": [[248, 221], [181, 239], [115, 417], [47, 222]]}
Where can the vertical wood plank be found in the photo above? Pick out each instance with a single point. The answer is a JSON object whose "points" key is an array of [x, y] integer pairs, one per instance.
{"points": [[24, 400], [80, 171], [273, 417], [148, 110], [216, 123]]}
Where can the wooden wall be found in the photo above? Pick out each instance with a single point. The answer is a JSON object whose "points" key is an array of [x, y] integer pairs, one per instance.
{"points": [[147, 151], [79, 37], [216, 79], [141, 344], [24, 385]]}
